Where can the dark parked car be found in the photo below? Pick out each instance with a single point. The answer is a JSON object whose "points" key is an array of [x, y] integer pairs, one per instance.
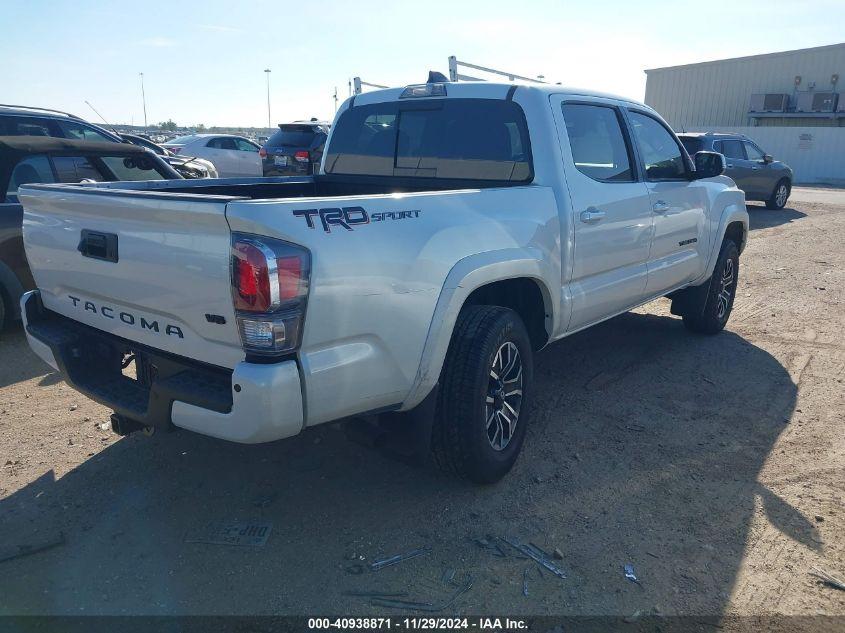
{"points": [[759, 175], [296, 149], [187, 166], [30, 121], [30, 159]]}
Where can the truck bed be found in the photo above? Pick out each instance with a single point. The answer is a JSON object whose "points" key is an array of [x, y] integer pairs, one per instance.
{"points": [[318, 186]]}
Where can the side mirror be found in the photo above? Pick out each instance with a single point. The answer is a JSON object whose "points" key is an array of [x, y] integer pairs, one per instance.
{"points": [[767, 158], [708, 165]]}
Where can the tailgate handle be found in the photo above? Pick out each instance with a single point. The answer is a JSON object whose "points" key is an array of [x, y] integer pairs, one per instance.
{"points": [[98, 245]]}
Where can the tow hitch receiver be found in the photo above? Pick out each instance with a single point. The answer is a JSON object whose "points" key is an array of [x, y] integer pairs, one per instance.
{"points": [[124, 426]]}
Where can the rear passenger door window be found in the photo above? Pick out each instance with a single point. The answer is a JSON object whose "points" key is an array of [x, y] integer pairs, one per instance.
{"points": [[597, 142], [660, 153], [733, 149]]}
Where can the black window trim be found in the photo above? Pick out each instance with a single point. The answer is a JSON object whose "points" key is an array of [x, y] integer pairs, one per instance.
{"points": [[421, 105], [5, 184], [636, 173], [641, 163]]}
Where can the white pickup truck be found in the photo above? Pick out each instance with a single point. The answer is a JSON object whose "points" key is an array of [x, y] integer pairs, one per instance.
{"points": [[453, 231]]}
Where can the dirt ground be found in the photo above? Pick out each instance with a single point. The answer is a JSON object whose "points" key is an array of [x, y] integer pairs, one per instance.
{"points": [[714, 465]]}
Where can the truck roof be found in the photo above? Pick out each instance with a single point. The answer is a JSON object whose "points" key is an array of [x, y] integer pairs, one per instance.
{"points": [[491, 90]]}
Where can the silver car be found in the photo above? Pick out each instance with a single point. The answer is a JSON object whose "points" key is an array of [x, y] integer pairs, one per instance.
{"points": [[759, 175]]}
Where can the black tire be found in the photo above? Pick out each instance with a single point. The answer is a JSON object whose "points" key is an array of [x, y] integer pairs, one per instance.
{"points": [[712, 317], [779, 198], [469, 396]]}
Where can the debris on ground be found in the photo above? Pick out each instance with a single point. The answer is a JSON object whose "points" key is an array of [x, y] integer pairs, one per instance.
{"points": [[537, 555], [424, 606], [828, 578], [239, 533], [525, 581], [16, 551], [557, 554], [448, 576], [629, 573], [392, 560]]}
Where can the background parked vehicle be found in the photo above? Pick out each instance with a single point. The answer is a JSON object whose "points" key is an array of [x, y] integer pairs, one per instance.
{"points": [[232, 156], [296, 149], [31, 159], [187, 166], [31, 121], [759, 175]]}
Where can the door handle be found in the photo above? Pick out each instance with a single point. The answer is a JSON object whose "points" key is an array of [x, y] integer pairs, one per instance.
{"points": [[592, 215], [755, 167], [730, 165], [660, 207]]}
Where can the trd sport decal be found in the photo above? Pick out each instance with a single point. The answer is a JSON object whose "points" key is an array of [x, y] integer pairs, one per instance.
{"points": [[347, 217]]}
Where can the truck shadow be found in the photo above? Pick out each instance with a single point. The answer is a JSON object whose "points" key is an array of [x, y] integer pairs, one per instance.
{"points": [[22, 363], [645, 447], [762, 218]]}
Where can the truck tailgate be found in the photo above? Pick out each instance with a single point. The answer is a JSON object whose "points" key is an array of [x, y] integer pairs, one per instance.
{"points": [[169, 287]]}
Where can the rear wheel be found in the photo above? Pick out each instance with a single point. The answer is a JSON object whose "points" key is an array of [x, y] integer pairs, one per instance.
{"points": [[780, 194], [481, 413], [712, 317]]}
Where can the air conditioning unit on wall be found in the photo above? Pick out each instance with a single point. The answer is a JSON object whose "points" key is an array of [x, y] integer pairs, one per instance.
{"points": [[816, 102], [771, 102]]}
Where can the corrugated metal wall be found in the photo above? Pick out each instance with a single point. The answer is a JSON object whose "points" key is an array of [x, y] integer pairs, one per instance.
{"points": [[717, 93], [816, 155]]}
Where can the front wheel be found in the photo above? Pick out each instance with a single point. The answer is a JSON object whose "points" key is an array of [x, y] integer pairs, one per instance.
{"points": [[482, 405], [712, 317], [780, 195]]}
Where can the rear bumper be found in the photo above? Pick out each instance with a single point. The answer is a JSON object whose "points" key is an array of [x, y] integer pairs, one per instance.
{"points": [[250, 404]]}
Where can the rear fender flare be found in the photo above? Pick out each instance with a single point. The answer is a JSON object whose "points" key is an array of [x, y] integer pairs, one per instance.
{"points": [[467, 275]]}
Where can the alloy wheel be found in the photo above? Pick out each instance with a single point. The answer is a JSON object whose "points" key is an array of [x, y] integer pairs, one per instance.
{"points": [[726, 289], [504, 396]]}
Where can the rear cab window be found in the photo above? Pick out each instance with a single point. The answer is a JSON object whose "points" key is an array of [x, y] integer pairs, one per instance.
{"points": [[474, 139]]}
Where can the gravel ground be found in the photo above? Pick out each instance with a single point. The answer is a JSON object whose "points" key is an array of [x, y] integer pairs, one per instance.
{"points": [[714, 465]]}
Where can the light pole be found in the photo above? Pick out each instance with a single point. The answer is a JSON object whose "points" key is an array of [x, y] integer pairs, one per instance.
{"points": [[144, 101], [269, 126]]}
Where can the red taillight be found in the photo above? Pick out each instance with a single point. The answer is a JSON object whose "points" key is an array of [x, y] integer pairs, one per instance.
{"points": [[302, 156], [262, 152], [252, 278], [269, 290]]}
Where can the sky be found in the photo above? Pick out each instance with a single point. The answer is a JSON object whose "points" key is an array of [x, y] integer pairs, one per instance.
{"points": [[203, 61]]}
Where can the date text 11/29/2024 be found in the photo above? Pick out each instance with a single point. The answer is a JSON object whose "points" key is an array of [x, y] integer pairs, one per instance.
{"points": [[421, 623]]}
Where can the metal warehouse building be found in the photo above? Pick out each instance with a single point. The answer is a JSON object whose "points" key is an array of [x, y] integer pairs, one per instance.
{"points": [[791, 103]]}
